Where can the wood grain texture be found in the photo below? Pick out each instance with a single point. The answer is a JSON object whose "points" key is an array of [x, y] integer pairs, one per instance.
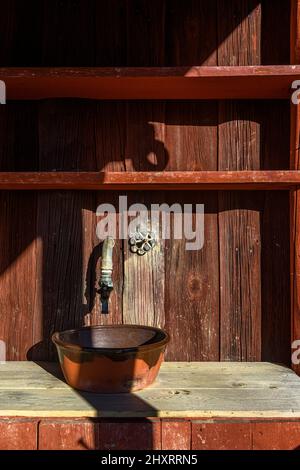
{"points": [[68, 435], [240, 249], [19, 257], [191, 277], [176, 435], [239, 27], [192, 289], [182, 390], [190, 33], [60, 220], [144, 286], [227, 436], [239, 216], [18, 434], [18, 375], [144, 281]]}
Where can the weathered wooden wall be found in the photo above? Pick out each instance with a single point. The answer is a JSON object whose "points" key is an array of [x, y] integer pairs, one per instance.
{"points": [[229, 301]]}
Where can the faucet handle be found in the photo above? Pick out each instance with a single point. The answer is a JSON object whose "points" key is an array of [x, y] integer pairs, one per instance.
{"points": [[141, 242]]}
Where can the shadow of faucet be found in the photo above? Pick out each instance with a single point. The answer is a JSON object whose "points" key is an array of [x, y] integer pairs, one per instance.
{"points": [[91, 288]]}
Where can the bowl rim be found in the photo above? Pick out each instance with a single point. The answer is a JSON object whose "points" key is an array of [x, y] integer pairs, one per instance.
{"points": [[75, 347]]}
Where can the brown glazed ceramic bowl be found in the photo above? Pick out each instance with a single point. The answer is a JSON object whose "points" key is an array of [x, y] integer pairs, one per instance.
{"points": [[111, 358]]}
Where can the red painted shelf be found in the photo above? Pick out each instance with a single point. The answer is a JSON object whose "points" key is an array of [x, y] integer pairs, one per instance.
{"points": [[243, 82], [168, 180]]}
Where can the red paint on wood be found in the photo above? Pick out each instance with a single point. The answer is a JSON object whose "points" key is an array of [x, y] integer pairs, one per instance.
{"points": [[18, 435], [276, 436], [249, 82], [221, 436], [239, 214], [176, 435], [72, 435], [192, 291], [142, 180]]}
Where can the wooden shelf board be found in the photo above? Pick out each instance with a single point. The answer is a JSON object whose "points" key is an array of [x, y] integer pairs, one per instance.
{"points": [[243, 82], [167, 180], [182, 390]]}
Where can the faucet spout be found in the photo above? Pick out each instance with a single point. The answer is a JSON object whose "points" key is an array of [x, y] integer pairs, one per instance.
{"points": [[106, 283]]}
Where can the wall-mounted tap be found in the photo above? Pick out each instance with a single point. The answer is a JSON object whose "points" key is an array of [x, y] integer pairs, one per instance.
{"points": [[105, 282]]}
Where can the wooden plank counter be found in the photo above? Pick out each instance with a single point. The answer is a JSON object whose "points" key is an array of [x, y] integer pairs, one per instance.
{"points": [[183, 390]]}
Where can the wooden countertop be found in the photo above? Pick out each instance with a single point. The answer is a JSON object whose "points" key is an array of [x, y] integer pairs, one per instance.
{"points": [[208, 389]]}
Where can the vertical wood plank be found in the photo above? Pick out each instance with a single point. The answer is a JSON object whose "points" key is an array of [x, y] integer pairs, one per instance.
{"points": [[276, 436], [239, 237], [191, 135], [192, 277], [143, 290], [240, 289], [221, 436], [18, 434], [131, 435], [75, 135], [73, 435], [110, 131], [144, 281], [190, 33], [239, 216], [176, 435], [19, 256], [192, 289], [59, 225], [66, 142], [295, 195], [239, 33], [66, 135]]}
